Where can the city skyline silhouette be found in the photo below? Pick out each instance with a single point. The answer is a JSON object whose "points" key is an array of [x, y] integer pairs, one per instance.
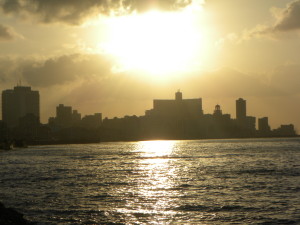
{"points": [[149, 112], [117, 61], [168, 119]]}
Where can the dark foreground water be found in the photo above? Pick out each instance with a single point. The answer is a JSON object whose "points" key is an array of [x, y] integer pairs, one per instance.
{"points": [[254, 181]]}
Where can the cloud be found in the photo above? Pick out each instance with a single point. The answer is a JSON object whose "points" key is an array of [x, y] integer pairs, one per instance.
{"points": [[85, 81], [69, 69], [7, 33], [9, 70], [54, 71], [231, 38], [286, 20], [75, 12], [65, 69]]}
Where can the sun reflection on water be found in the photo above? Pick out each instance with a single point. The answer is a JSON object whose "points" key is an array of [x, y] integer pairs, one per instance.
{"points": [[155, 187], [154, 183], [155, 148], [155, 162]]}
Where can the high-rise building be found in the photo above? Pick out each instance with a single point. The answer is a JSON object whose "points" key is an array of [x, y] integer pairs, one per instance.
{"points": [[63, 115], [263, 125], [178, 96], [250, 123], [19, 102], [240, 109]]}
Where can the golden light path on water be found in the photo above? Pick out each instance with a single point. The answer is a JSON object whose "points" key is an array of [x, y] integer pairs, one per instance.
{"points": [[156, 162], [156, 187]]}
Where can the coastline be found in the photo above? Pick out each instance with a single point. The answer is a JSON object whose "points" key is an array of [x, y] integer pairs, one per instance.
{"points": [[9, 216], [63, 142]]}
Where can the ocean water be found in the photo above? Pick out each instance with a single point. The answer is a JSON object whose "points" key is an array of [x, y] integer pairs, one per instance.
{"points": [[249, 181]]}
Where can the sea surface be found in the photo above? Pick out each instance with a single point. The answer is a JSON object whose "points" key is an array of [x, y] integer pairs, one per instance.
{"points": [[248, 181]]}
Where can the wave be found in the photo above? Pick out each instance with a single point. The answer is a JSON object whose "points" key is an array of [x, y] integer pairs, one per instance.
{"points": [[204, 208]]}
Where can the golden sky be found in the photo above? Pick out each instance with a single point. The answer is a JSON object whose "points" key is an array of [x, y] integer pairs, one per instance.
{"points": [[114, 58]]}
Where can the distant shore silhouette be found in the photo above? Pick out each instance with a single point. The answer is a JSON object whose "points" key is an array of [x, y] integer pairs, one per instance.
{"points": [[169, 119]]}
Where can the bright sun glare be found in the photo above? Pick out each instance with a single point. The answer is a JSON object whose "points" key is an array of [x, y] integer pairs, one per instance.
{"points": [[155, 43]]}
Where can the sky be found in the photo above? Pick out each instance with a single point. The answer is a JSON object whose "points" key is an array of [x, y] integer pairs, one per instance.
{"points": [[115, 57]]}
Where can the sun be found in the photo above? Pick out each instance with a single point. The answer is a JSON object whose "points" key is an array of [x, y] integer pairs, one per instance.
{"points": [[155, 43]]}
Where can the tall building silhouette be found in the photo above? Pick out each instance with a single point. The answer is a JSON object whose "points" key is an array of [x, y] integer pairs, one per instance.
{"points": [[240, 109], [246, 123], [76, 118], [68, 118], [92, 121], [63, 115], [263, 126], [178, 96], [217, 111], [18, 103], [177, 107]]}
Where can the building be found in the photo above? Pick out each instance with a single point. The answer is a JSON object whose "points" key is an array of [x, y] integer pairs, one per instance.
{"points": [[92, 121], [68, 118], [4, 131], [217, 111], [63, 116], [263, 126], [250, 124], [19, 102], [173, 118], [241, 109], [76, 118], [285, 131], [246, 124], [178, 107]]}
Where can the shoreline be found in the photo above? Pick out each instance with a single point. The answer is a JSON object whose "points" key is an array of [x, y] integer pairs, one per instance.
{"points": [[137, 140], [45, 143], [10, 216]]}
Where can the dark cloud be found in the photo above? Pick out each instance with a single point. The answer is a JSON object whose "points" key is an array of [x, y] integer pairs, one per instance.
{"points": [[70, 69], [9, 70], [76, 11], [144, 5], [289, 18], [65, 69], [6, 33], [54, 71], [87, 83]]}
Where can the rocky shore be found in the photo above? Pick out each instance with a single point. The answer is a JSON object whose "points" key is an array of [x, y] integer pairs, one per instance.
{"points": [[10, 216]]}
